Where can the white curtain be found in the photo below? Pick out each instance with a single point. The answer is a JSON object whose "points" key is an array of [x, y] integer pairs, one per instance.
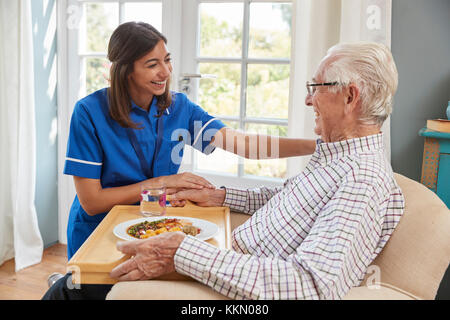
{"points": [[19, 233], [318, 25]]}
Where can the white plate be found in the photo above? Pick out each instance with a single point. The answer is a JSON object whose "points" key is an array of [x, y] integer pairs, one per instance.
{"points": [[208, 229]]}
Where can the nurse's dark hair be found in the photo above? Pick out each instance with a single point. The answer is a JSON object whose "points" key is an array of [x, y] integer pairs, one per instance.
{"points": [[130, 42]]}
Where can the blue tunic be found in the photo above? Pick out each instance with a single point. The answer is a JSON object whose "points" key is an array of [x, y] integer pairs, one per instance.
{"points": [[99, 148]]}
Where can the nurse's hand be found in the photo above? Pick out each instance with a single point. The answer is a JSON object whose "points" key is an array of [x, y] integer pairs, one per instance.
{"points": [[202, 198], [185, 180], [151, 258]]}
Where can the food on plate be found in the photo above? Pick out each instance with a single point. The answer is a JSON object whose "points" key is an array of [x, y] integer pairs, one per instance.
{"points": [[146, 229], [191, 230]]}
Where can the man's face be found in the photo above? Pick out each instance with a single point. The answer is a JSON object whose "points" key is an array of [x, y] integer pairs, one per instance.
{"points": [[328, 107]]}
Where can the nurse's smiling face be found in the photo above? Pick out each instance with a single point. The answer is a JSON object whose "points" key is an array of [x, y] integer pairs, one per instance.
{"points": [[150, 74]]}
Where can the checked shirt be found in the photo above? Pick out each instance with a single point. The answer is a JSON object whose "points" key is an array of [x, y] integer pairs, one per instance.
{"points": [[313, 238]]}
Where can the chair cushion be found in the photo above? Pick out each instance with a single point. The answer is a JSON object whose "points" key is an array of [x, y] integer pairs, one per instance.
{"points": [[418, 252], [236, 219], [191, 290]]}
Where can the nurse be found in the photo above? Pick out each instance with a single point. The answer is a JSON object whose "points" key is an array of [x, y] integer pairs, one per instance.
{"points": [[132, 131]]}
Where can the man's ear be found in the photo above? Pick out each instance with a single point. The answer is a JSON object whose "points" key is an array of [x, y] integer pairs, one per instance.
{"points": [[352, 97]]}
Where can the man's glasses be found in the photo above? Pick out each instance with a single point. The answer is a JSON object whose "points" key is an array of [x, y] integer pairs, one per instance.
{"points": [[312, 87]]}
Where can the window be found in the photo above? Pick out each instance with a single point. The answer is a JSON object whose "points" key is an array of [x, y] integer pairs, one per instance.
{"points": [[98, 21], [246, 45]]}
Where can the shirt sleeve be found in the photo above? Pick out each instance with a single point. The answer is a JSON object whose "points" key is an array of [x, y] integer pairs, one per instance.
{"points": [[84, 157], [248, 201], [202, 128], [333, 257]]}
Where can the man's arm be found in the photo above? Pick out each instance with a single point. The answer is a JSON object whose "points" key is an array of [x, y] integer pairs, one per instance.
{"points": [[333, 257], [246, 201]]}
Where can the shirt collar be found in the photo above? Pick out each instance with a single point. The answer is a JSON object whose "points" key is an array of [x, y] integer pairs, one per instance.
{"points": [[331, 151], [153, 108]]}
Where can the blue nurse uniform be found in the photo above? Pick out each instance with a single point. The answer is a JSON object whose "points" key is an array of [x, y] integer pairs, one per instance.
{"points": [[99, 148]]}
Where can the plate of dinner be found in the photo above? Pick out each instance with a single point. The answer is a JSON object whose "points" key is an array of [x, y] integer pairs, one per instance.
{"points": [[146, 227]]}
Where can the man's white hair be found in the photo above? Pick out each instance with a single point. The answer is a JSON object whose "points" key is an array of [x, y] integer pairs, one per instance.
{"points": [[371, 67]]}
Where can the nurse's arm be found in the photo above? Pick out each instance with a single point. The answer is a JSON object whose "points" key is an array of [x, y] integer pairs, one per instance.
{"points": [[95, 199], [258, 146]]}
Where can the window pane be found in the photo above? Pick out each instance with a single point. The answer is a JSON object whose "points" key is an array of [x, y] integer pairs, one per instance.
{"points": [[270, 30], [220, 160], [101, 20], [145, 12], [274, 168], [268, 90], [221, 29], [221, 95], [97, 74]]}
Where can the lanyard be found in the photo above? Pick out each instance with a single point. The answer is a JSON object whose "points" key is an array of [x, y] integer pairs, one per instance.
{"points": [[146, 167]]}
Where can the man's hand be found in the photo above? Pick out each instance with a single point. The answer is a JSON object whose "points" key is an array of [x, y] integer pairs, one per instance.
{"points": [[203, 198], [151, 258]]}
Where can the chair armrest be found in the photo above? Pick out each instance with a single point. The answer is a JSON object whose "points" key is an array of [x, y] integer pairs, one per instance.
{"points": [[381, 292], [162, 290]]}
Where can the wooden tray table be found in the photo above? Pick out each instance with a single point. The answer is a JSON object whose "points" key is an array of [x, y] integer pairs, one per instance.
{"points": [[95, 259]]}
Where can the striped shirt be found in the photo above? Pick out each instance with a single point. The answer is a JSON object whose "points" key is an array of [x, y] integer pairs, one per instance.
{"points": [[313, 238]]}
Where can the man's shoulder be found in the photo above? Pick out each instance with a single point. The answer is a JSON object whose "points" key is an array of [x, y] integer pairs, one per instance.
{"points": [[373, 170]]}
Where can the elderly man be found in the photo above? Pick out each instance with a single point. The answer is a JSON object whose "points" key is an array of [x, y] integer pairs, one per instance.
{"points": [[315, 237]]}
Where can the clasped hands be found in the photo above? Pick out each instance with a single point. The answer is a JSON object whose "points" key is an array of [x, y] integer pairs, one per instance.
{"points": [[154, 257]]}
